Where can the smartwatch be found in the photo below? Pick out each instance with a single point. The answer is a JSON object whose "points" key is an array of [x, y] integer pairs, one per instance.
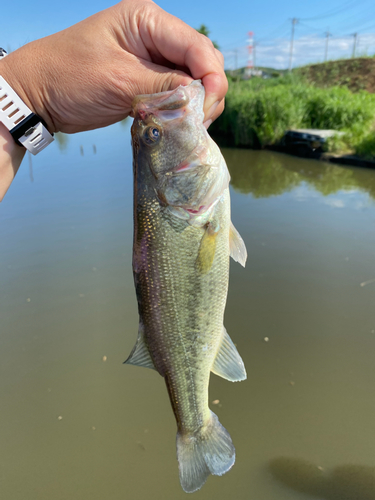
{"points": [[27, 129]]}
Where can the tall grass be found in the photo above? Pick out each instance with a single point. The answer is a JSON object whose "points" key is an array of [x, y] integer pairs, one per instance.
{"points": [[258, 112]]}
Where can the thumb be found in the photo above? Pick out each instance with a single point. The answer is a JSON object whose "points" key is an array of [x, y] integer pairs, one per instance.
{"points": [[150, 78]]}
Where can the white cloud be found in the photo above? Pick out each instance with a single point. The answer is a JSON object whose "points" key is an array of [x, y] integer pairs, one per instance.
{"points": [[334, 202], [304, 192], [307, 49]]}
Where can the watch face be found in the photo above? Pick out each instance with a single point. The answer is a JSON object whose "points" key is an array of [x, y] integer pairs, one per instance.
{"points": [[3, 52]]}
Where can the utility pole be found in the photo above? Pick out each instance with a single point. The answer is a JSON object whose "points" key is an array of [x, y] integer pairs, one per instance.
{"points": [[294, 22], [355, 35], [235, 59], [327, 34]]}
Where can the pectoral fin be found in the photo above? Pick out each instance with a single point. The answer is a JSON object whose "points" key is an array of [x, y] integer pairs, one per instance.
{"points": [[140, 355], [207, 248], [228, 363], [237, 246]]}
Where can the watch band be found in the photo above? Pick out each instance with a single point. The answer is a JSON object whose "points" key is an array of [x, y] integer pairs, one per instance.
{"points": [[26, 128]]}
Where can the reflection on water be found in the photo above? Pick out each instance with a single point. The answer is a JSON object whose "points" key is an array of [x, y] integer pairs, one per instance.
{"points": [[76, 423], [269, 174], [62, 140], [30, 166], [346, 482], [263, 174]]}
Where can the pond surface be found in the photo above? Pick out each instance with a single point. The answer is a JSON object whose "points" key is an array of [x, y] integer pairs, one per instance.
{"points": [[77, 424]]}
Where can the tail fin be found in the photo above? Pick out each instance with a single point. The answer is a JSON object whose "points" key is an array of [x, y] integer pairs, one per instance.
{"points": [[209, 451]]}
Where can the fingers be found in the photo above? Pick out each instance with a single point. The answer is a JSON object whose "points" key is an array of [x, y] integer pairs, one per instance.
{"points": [[148, 78], [185, 47], [145, 77]]}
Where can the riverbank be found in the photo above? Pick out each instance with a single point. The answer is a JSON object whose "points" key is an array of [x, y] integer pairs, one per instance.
{"points": [[318, 154], [355, 74], [259, 112]]}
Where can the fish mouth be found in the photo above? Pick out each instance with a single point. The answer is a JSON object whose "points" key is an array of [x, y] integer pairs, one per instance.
{"points": [[170, 100], [163, 101]]}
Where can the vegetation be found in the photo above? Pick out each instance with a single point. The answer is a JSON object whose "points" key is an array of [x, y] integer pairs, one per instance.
{"points": [[356, 74], [62, 140], [258, 112]]}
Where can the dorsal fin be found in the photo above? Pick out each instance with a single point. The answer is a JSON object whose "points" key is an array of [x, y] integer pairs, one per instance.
{"points": [[140, 355], [228, 363]]}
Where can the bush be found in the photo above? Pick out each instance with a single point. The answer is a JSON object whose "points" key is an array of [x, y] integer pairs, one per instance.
{"points": [[258, 112]]}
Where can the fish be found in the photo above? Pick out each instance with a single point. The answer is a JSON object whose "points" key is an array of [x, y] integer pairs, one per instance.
{"points": [[183, 239]]}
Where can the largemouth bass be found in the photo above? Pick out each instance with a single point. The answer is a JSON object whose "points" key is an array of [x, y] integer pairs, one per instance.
{"points": [[183, 238]]}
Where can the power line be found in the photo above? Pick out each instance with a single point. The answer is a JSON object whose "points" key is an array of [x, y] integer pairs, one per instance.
{"points": [[359, 25], [280, 27], [334, 12], [242, 41], [265, 42], [306, 47], [315, 30]]}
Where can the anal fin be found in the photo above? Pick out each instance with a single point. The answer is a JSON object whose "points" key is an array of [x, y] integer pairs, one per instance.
{"points": [[140, 355], [237, 246], [228, 363]]}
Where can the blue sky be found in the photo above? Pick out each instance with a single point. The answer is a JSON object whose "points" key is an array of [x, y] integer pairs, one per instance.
{"points": [[229, 23]]}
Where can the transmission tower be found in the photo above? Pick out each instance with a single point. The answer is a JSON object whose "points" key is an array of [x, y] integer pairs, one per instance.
{"points": [[250, 56]]}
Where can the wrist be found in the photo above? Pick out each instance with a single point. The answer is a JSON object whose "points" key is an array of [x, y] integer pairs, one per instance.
{"points": [[26, 128], [11, 157], [24, 82]]}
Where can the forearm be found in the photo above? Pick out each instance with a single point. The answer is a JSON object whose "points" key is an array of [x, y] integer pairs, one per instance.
{"points": [[11, 157], [87, 76]]}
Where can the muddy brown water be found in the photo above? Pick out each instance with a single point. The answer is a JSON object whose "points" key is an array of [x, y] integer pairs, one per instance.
{"points": [[77, 424]]}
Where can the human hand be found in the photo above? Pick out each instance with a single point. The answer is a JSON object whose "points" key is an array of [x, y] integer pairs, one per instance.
{"points": [[86, 76]]}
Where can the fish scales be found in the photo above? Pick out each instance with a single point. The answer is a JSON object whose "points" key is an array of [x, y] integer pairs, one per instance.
{"points": [[180, 328], [182, 244]]}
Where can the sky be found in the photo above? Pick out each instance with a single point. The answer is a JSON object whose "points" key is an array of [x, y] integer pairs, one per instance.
{"points": [[229, 23]]}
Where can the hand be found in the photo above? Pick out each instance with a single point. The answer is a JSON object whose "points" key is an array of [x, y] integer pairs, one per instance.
{"points": [[86, 76]]}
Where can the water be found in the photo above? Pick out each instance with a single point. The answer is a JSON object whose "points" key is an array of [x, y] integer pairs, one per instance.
{"points": [[76, 423]]}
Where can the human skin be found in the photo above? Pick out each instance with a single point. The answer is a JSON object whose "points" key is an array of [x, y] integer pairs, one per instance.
{"points": [[86, 76]]}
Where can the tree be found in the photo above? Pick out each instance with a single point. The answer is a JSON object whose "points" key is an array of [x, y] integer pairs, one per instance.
{"points": [[205, 31]]}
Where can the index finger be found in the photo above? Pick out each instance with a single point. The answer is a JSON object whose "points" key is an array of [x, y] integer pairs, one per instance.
{"points": [[184, 46]]}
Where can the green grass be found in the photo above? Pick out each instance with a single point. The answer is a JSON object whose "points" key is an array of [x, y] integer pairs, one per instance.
{"points": [[258, 112]]}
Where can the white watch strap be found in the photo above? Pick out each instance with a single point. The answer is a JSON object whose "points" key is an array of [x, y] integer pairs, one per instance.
{"points": [[12, 108], [13, 111], [36, 138]]}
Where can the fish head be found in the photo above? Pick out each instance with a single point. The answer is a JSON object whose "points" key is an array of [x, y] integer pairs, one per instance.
{"points": [[166, 125], [170, 139]]}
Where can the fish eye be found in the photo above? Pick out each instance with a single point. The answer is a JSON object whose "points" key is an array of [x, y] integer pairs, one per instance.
{"points": [[151, 135]]}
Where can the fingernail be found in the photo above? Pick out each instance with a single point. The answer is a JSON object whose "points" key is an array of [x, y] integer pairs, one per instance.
{"points": [[212, 109], [207, 123]]}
